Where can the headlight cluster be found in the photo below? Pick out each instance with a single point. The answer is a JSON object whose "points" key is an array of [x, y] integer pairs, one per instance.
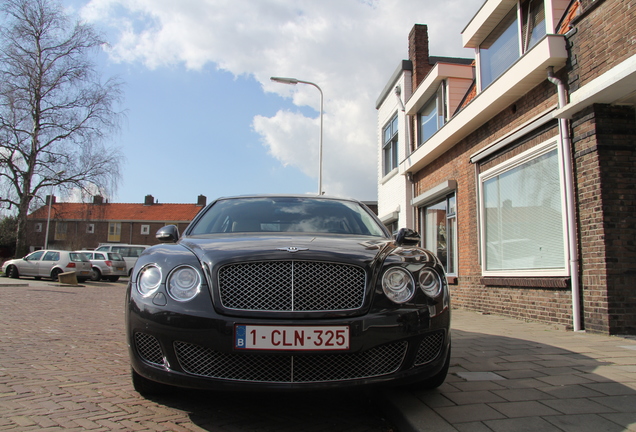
{"points": [[399, 286], [183, 283]]}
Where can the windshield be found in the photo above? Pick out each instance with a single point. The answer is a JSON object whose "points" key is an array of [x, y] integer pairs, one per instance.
{"points": [[284, 214]]}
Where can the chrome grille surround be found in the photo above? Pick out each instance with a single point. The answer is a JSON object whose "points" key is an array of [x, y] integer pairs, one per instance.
{"points": [[312, 368], [430, 348], [291, 286], [149, 349]]}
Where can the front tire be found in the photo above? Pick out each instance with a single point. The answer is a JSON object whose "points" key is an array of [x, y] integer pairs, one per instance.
{"points": [[12, 272], [146, 387], [113, 278], [439, 378]]}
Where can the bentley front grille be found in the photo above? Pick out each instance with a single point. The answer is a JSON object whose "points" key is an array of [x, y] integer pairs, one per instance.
{"points": [[430, 348], [148, 348], [292, 286], [201, 361]]}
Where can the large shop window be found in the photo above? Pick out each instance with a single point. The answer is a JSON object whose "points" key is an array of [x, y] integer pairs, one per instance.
{"points": [[390, 146], [439, 226], [509, 40], [523, 216]]}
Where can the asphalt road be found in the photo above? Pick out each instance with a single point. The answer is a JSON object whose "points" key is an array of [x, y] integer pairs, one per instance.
{"points": [[64, 366]]}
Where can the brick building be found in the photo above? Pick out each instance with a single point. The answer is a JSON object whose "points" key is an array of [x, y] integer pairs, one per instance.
{"points": [[77, 226], [517, 166]]}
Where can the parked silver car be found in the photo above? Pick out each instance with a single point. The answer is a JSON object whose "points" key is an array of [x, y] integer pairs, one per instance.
{"points": [[49, 264], [106, 265], [130, 252]]}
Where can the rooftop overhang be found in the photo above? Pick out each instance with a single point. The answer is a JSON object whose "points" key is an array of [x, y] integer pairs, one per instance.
{"points": [[429, 86], [525, 74], [484, 22], [616, 86]]}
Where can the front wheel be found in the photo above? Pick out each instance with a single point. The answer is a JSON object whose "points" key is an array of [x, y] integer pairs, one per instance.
{"points": [[146, 387], [439, 378], [113, 278], [12, 272]]}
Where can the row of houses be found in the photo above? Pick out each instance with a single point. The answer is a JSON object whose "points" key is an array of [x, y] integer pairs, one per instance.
{"points": [[84, 226], [517, 166]]}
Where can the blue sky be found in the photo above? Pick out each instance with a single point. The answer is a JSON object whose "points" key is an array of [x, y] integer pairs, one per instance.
{"points": [[202, 116]]}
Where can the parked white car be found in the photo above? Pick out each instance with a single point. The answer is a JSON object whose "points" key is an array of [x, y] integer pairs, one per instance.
{"points": [[49, 264], [106, 265], [130, 252]]}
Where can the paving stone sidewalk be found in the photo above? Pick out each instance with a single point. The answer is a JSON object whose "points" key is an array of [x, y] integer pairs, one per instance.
{"points": [[511, 375]]}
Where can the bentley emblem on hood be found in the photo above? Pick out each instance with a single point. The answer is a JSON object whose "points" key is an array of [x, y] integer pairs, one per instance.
{"points": [[292, 249]]}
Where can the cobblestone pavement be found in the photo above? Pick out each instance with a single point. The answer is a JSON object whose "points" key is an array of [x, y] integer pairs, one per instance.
{"points": [[64, 366], [508, 375]]}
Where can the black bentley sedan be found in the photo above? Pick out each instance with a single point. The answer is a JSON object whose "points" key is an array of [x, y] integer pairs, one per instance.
{"points": [[287, 292]]}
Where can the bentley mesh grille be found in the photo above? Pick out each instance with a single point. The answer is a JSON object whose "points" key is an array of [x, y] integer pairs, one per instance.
{"points": [[148, 348], [292, 286], [430, 348], [201, 361]]}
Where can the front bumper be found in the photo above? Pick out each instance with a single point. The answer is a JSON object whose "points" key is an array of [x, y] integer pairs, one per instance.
{"points": [[197, 350]]}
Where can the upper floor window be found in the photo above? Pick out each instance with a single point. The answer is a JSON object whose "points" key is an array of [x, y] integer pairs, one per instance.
{"points": [[390, 146], [432, 116], [60, 231], [114, 231], [509, 40]]}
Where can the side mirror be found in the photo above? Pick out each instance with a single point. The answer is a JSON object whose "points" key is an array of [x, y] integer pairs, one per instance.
{"points": [[407, 237], [168, 234]]}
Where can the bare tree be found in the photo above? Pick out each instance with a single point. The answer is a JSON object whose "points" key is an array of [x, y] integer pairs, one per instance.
{"points": [[55, 113]]}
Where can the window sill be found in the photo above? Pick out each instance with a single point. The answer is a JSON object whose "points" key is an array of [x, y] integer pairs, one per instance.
{"points": [[389, 175], [526, 282]]}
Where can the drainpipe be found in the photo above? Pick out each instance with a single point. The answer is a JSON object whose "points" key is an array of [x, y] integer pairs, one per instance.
{"points": [[407, 141], [566, 151]]}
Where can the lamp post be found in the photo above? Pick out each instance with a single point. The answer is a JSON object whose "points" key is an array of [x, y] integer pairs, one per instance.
{"points": [[294, 81], [48, 219]]}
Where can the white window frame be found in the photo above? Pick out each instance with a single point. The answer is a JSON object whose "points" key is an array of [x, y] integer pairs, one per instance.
{"points": [[439, 119], [38, 227], [514, 162], [391, 147], [90, 228], [145, 229]]}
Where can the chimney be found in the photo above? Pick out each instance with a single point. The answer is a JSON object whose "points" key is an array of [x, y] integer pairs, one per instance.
{"points": [[201, 200], [149, 200], [98, 200], [48, 199], [418, 53]]}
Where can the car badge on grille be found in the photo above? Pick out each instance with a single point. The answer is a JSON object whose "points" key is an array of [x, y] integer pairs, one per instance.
{"points": [[292, 249]]}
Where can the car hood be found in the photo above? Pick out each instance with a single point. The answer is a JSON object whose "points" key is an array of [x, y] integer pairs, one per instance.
{"points": [[236, 248]]}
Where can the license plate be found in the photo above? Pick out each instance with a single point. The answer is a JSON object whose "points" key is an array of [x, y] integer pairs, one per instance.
{"points": [[291, 338], [120, 268]]}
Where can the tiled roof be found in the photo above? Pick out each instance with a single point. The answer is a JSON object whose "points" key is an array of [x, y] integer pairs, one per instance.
{"points": [[119, 212]]}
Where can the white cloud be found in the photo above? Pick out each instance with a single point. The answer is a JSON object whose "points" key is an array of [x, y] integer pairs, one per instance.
{"points": [[349, 47]]}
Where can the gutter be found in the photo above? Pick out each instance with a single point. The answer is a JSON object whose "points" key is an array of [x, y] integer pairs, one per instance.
{"points": [[567, 169]]}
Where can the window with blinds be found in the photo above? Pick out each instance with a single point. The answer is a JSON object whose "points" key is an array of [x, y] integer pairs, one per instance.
{"points": [[523, 216]]}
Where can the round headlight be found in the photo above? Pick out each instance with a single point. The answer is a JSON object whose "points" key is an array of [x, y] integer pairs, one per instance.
{"points": [[398, 284], [149, 280], [430, 282], [184, 283]]}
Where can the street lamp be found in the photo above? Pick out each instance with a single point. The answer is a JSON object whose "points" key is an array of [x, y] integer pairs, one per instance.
{"points": [[294, 81], [48, 219]]}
